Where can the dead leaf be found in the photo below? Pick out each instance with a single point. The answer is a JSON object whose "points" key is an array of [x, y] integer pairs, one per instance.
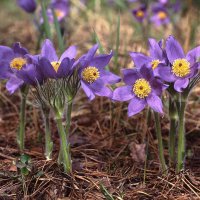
{"points": [[137, 152]]}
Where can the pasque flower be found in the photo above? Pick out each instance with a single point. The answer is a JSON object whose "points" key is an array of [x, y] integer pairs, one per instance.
{"points": [[141, 88], [53, 67], [182, 67], [160, 15], [94, 77], [140, 13], [18, 67], [27, 5], [157, 56]]}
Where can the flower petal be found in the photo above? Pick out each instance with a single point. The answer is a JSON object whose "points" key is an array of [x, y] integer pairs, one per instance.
{"points": [[181, 84], [85, 60], [13, 84], [155, 50], [105, 92], [136, 105], [146, 73], [130, 76], [139, 59], [5, 71], [46, 68], [65, 68], [87, 91], [48, 51], [193, 55], [6, 53], [109, 77], [101, 60], [19, 50], [166, 74], [173, 49], [155, 103], [69, 53], [123, 93]]}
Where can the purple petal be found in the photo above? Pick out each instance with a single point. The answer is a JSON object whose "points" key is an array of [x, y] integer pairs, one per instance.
{"points": [[48, 51], [181, 84], [101, 60], [109, 77], [136, 105], [146, 73], [46, 68], [13, 84], [6, 53], [19, 50], [105, 92], [5, 71], [27, 5], [157, 86], [166, 74], [193, 55], [139, 59], [85, 60], [173, 49], [130, 76], [155, 49], [87, 91], [97, 85], [69, 53], [155, 103], [65, 68], [123, 93]]}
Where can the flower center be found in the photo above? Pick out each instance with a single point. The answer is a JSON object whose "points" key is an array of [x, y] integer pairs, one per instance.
{"points": [[59, 13], [55, 65], [162, 15], [17, 63], [140, 13], [90, 74], [141, 88], [155, 63], [181, 67]]}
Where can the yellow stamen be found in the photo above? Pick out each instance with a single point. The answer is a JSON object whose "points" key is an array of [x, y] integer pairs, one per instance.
{"points": [[181, 67], [55, 65], [90, 74], [162, 15], [140, 13], [59, 13], [17, 63], [155, 63], [141, 88]]}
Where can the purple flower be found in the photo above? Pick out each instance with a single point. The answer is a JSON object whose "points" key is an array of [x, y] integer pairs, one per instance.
{"points": [[157, 56], [141, 88], [140, 13], [160, 15], [14, 62], [182, 67], [53, 67], [27, 5], [94, 77]]}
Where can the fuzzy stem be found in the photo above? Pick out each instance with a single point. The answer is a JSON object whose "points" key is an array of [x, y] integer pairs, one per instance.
{"points": [[48, 140], [172, 130], [181, 136], [20, 139], [160, 143], [65, 148]]}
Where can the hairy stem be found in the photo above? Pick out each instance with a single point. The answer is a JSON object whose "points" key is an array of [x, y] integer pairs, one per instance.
{"points": [[160, 142]]}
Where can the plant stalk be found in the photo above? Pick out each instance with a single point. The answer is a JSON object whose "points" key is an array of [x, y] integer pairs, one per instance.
{"points": [[181, 136], [65, 147], [22, 118], [160, 142]]}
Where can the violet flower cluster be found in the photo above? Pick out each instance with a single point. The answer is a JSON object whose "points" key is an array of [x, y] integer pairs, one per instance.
{"points": [[157, 12], [60, 7], [152, 74]]}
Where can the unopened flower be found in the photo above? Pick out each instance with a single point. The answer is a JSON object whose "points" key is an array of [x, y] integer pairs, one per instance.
{"points": [[94, 77], [27, 5], [157, 56], [141, 88], [54, 67], [182, 67], [140, 13]]}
